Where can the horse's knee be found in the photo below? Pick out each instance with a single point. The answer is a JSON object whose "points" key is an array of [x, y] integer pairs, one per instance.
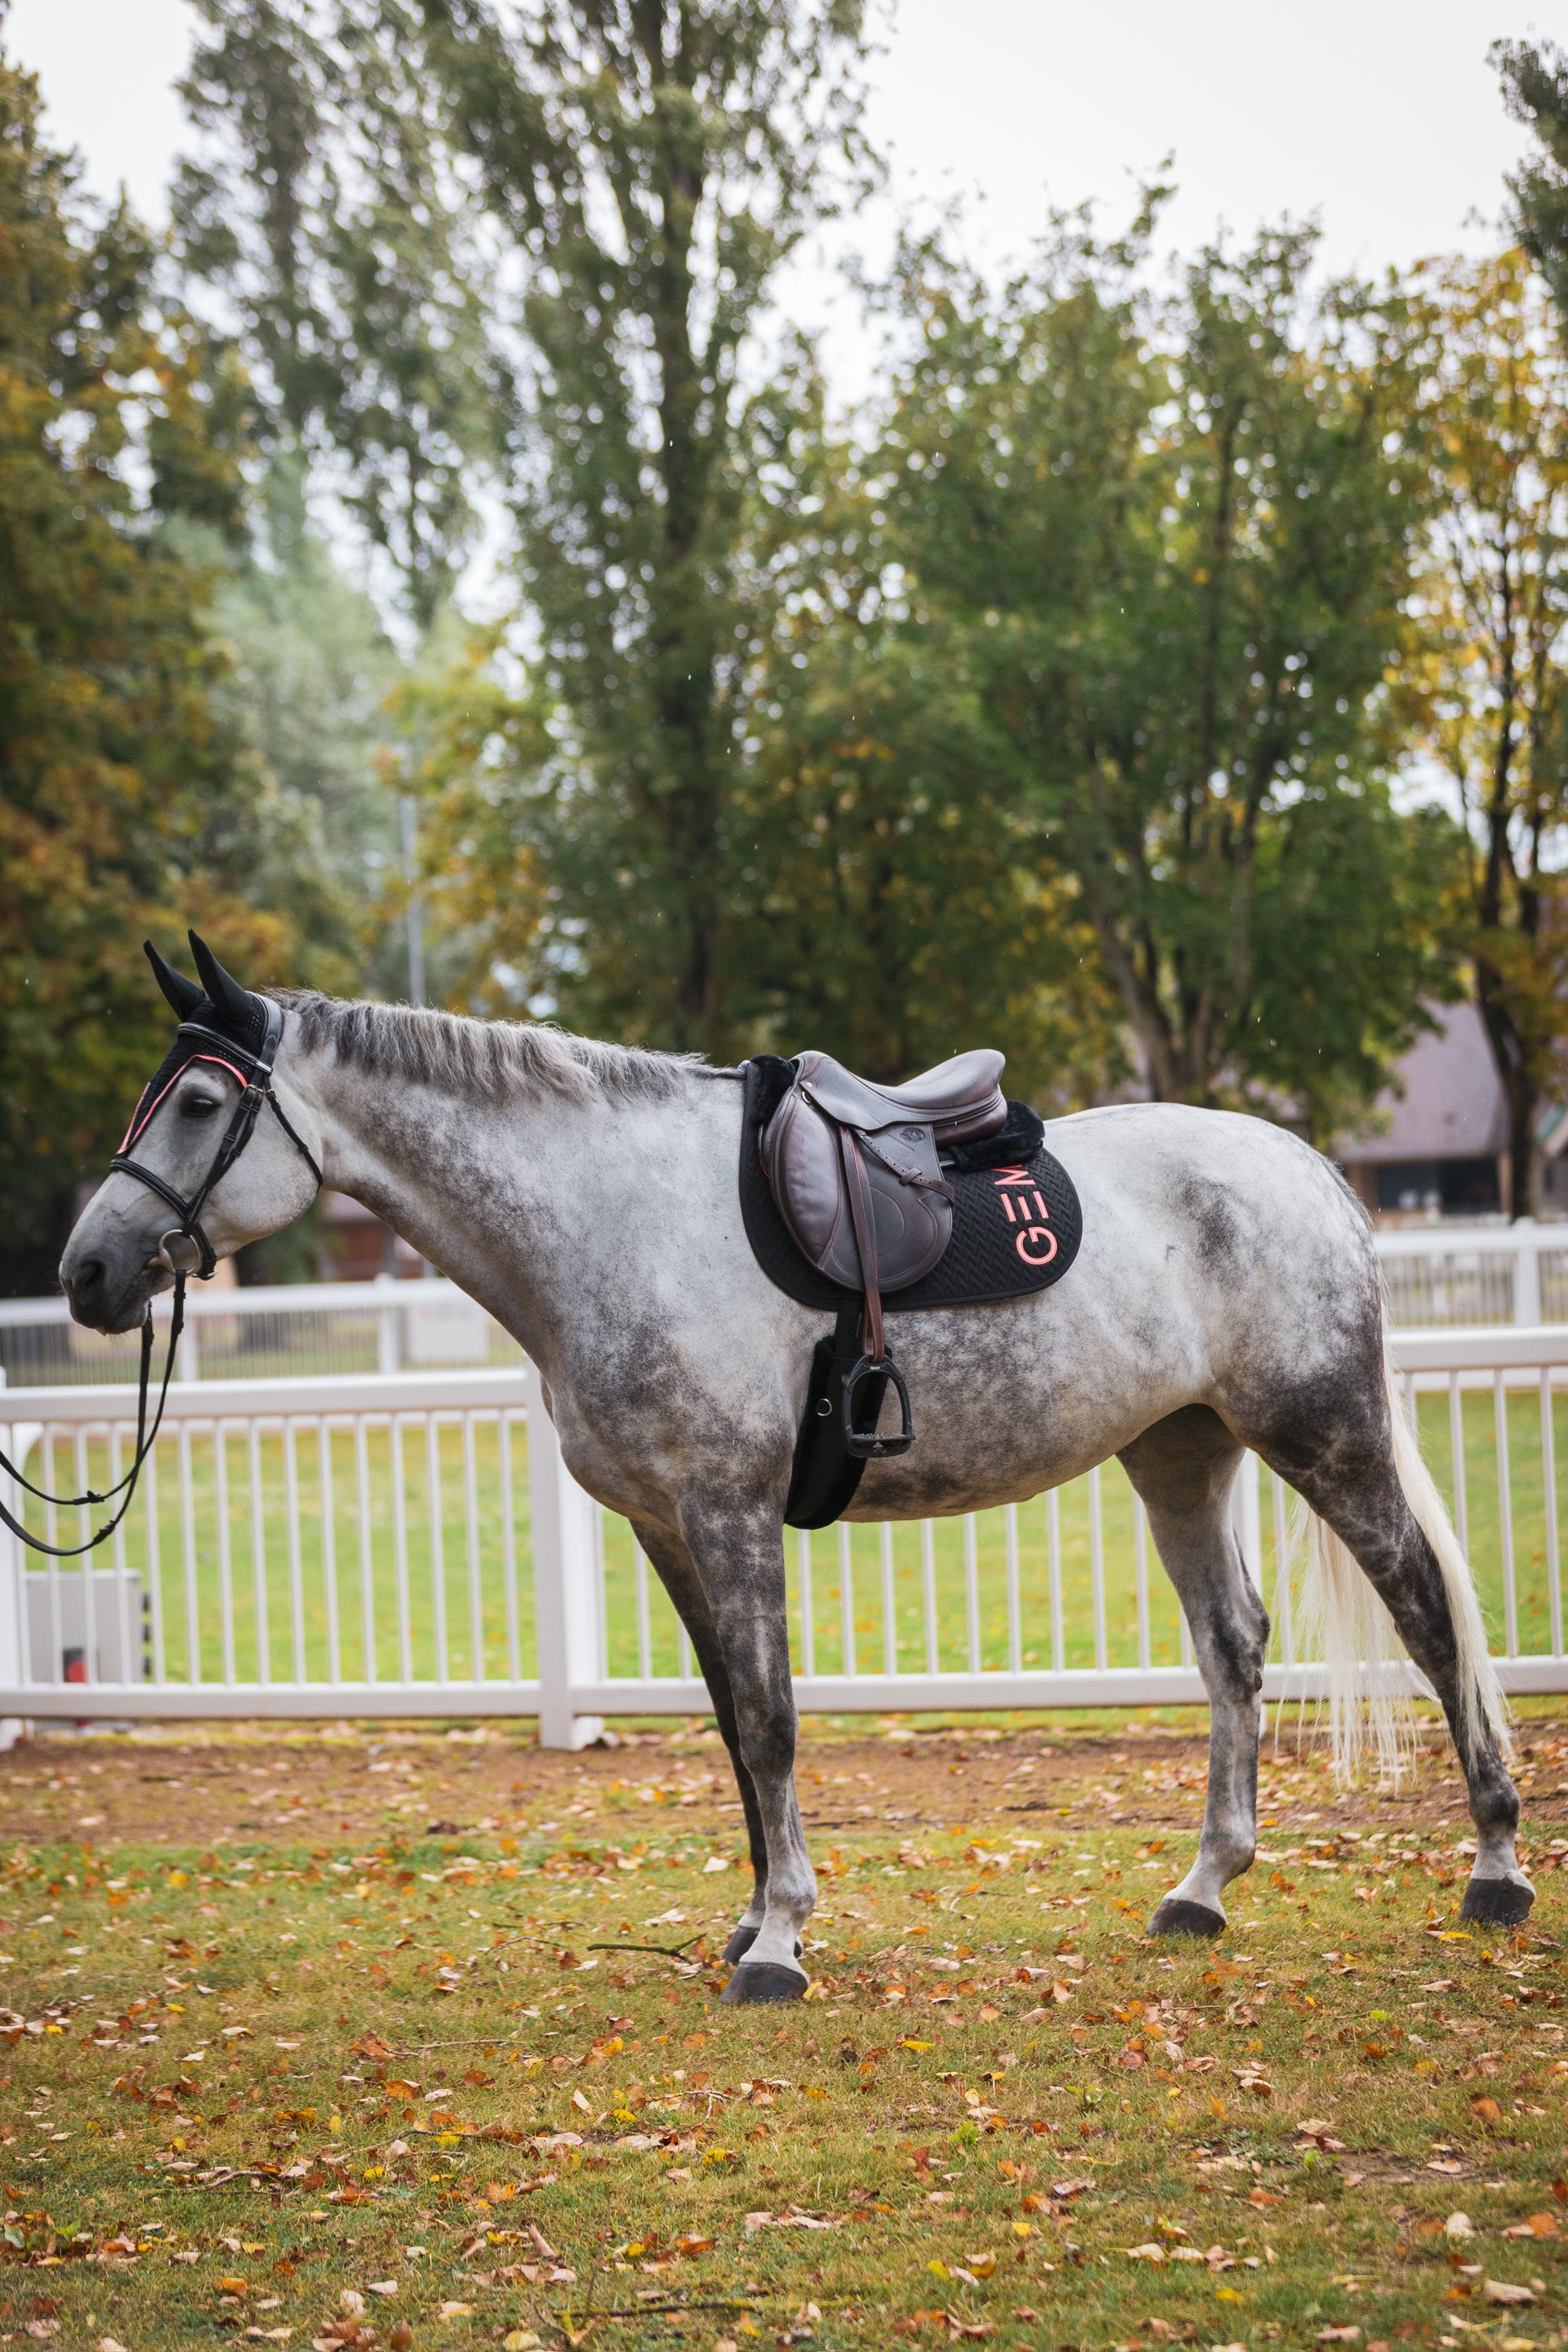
{"points": [[768, 1741], [1231, 1652]]}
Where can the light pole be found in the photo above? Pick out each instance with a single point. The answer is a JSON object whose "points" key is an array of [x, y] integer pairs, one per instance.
{"points": [[415, 916]]}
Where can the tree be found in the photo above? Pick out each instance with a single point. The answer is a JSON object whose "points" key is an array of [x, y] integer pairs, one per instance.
{"points": [[1168, 545], [644, 170], [1534, 76], [316, 213], [1490, 688], [126, 801]]}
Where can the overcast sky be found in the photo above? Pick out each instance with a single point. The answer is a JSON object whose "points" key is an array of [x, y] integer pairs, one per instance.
{"points": [[1381, 114], [1380, 117]]}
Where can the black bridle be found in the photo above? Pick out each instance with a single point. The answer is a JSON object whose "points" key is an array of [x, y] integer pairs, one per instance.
{"points": [[183, 1251], [254, 1071]]}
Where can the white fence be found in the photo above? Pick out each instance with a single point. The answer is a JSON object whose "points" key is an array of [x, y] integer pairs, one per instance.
{"points": [[410, 1544]]}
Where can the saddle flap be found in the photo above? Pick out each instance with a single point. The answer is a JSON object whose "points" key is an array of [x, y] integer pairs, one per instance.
{"points": [[800, 1156]]}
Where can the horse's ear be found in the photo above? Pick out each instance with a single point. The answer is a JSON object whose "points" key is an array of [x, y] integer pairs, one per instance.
{"points": [[227, 994], [182, 994]]}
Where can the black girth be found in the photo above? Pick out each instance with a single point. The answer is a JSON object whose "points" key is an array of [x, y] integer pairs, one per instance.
{"points": [[192, 1251]]}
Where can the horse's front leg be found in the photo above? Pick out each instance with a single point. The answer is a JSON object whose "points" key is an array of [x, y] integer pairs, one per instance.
{"points": [[1183, 1468], [680, 1578], [739, 1559]]}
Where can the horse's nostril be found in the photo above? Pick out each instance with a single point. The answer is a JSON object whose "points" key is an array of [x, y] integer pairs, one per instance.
{"points": [[88, 1278]]}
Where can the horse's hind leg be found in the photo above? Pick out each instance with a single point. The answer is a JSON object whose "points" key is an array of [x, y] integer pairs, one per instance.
{"points": [[1183, 1468], [1356, 1488], [680, 1578]]}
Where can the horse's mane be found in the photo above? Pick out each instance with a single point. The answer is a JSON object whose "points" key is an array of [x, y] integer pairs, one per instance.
{"points": [[484, 1058]]}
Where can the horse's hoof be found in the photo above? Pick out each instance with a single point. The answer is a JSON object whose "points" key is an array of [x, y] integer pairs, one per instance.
{"points": [[761, 1981], [1177, 1916], [1497, 1902]]}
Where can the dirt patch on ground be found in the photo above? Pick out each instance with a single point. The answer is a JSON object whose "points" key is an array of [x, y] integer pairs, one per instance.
{"points": [[253, 1784]]}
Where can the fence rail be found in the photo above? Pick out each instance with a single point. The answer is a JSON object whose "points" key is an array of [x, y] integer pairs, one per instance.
{"points": [[410, 1543]]}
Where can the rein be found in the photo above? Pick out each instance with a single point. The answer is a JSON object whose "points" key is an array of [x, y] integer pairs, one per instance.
{"points": [[196, 1255]]}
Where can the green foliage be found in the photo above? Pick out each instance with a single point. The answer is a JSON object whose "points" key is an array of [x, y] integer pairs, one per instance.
{"points": [[1054, 706], [1534, 76], [1167, 544], [657, 165], [123, 797], [374, 176], [309, 672], [1487, 689], [318, 212]]}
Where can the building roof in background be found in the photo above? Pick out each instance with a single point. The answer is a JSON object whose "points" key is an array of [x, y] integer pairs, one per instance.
{"points": [[1447, 1102]]}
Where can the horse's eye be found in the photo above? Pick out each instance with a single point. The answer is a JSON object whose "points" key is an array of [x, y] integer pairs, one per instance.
{"points": [[197, 1105]]}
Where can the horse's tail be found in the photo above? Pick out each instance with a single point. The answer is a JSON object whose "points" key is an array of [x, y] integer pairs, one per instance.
{"points": [[1369, 1703]]}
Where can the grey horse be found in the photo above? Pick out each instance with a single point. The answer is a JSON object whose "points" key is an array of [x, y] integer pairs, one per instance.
{"points": [[1227, 1296]]}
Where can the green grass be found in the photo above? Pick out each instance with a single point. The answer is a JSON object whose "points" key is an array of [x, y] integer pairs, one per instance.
{"points": [[215, 2119], [230, 1567]]}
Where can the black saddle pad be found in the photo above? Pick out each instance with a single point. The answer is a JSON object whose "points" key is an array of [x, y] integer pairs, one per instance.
{"points": [[1016, 1222]]}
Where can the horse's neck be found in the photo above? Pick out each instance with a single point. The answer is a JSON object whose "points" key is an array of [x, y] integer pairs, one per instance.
{"points": [[518, 1202]]}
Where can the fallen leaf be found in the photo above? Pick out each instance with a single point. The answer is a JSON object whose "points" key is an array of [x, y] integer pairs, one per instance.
{"points": [[1502, 2291], [1339, 2335], [1486, 2111], [455, 2311], [381, 2287], [1150, 2253], [1458, 2225]]}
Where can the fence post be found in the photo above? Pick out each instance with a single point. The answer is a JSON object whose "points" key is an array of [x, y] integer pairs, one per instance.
{"points": [[565, 1581], [388, 1350], [13, 1595], [1527, 1272], [1247, 1518]]}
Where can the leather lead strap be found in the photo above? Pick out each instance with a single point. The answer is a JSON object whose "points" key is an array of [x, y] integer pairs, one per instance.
{"points": [[863, 1217], [145, 1440]]}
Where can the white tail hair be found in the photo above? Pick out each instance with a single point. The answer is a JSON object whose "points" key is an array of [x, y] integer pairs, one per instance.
{"points": [[1345, 1623]]}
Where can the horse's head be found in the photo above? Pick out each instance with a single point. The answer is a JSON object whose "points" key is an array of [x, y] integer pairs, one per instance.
{"points": [[200, 1171]]}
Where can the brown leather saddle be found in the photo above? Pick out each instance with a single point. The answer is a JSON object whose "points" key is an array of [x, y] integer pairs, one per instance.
{"points": [[854, 1170]]}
